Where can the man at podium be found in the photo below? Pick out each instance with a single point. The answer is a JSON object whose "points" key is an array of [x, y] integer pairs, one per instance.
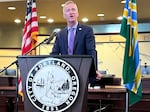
{"points": [[75, 38]]}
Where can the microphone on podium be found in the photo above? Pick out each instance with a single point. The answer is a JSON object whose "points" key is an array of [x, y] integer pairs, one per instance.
{"points": [[52, 36]]}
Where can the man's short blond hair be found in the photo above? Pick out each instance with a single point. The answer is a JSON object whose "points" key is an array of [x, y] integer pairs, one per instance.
{"points": [[69, 2]]}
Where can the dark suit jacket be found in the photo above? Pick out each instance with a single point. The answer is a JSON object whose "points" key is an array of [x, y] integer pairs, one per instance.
{"points": [[84, 43]]}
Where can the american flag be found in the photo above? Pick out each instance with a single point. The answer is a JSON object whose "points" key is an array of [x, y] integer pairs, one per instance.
{"points": [[29, 39], [30, 33]]}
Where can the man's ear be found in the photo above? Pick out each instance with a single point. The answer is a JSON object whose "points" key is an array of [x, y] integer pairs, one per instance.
{"points": [[78, 15], [64, 16]]}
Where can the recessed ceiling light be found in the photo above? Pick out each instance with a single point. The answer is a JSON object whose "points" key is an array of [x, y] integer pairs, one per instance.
{"points": [[50, 20], [119, 18], [17, 21], [11, 8], [100, 15], [85, 20], [62, 5], [43, 17], [123, 1]]}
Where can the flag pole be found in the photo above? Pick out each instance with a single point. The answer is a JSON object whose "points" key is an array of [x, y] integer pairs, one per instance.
{"points": [[17, 95], [127, 101]]}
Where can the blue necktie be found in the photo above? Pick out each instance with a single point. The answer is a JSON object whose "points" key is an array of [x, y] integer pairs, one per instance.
{"points": [[71, 41]]}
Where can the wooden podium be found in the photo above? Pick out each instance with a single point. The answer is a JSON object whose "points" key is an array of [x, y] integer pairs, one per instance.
{"points": [[83, 65]]}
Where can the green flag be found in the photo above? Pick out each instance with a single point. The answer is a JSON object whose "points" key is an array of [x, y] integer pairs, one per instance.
{"points": [[131, 66]]}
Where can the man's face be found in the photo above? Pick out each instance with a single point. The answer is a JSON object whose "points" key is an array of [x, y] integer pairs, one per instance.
{"points": [[70, 12]]}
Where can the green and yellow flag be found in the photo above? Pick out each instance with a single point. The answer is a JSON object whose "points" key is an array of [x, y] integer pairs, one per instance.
{"points": [[131, 66]]}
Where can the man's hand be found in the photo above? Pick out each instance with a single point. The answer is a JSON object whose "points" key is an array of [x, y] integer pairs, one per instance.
{"points": [[98, 75]]}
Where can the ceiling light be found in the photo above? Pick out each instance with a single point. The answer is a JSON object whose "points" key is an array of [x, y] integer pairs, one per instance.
{"points": [[85, 20], [43, 17], [62, 5], [119, 18], [50, 20], [11, 8], [100, 15], [123, 1], [17, 21]]}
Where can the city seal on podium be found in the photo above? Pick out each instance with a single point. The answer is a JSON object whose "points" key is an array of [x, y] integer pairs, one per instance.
{"points": [[52, 85]]}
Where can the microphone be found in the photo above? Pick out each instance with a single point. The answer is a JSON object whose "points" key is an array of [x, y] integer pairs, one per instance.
{"points": [[51, 37]]}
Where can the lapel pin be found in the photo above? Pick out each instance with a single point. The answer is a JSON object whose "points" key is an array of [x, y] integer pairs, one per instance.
{"points": [[80, 28]]}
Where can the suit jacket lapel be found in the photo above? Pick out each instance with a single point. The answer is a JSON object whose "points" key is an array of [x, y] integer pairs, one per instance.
{"points": [[77, 36], [66, 40]]}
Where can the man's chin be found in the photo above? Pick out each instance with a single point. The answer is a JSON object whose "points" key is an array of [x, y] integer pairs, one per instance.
{"points": [[72, 21]]}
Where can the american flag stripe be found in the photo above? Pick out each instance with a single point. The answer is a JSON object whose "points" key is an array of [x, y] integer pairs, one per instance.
{"points": [[20, 86], [27, 33]]}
